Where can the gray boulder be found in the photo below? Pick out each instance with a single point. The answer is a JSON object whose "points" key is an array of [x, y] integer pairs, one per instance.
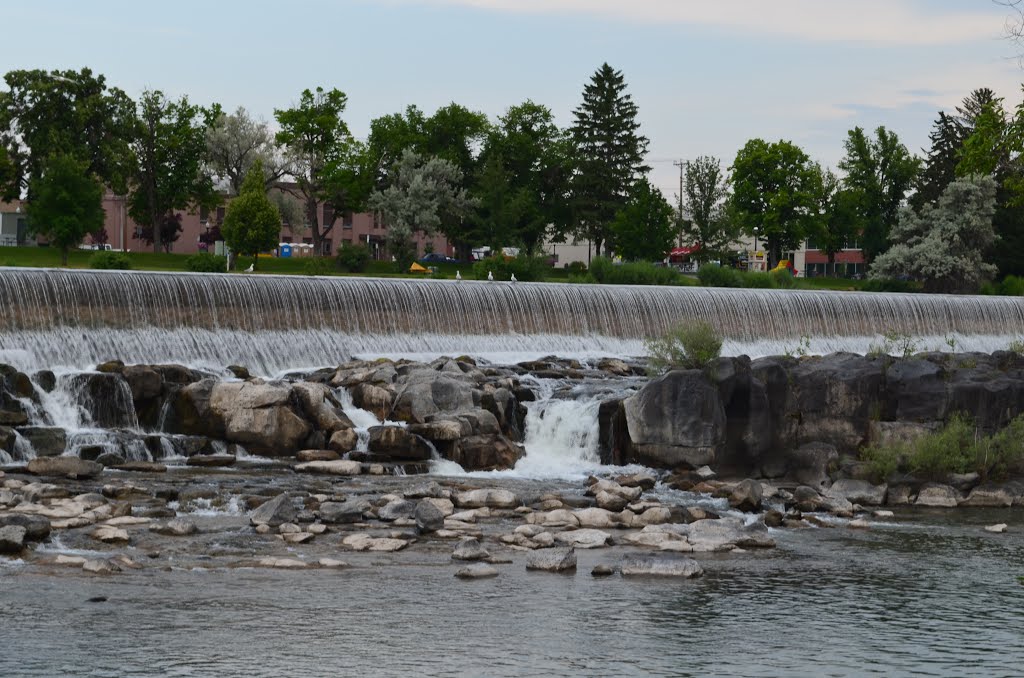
{"points": [[67, 467], [552, 560], [395, 443], [435, 393], [470, 549], [176, 527], [860, 491], [394, 510], [428, 517], [676, 420], [37, 528], [274, 512], [477, 571], [12, 539], [809, 464], [657, 565], [938, 496], [746, 496], [47, 441], [344, 511]]}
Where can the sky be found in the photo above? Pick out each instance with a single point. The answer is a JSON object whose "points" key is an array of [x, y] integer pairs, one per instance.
{"points": [[707, 75]]}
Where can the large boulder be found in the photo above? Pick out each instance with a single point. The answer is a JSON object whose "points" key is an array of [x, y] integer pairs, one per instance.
{"points": [[428, 515], [37, 528], [350, 511], [484, 453], [375, 399], [274, 512], [938, 496], [435, 393], [746, 496], [395, 443], [810, 463], [105, 397], [659, 565], [12, 539], [552, 560], [259, 416], [47, 441], [676, 420], [860, 491]]}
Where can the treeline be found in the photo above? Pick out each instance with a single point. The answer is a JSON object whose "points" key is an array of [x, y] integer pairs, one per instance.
{"points": [[951, 220]]}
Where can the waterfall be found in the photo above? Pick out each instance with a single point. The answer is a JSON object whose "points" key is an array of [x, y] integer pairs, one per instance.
{"points": [[51, 318], [561, 439]]}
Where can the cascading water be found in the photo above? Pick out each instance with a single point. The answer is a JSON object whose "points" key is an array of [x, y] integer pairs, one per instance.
{"points": [[273, 323], [561, 439]]}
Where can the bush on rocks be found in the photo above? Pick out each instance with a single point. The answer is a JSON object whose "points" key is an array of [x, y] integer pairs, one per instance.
{"points": [[689, 347]]}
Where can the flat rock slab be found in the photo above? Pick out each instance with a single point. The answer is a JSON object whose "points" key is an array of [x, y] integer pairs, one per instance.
{"points": [[67, 467], [141, 467], [477, 571], [281, 563], [364, 542], [211, 460], [657, 565], [493, 498], [340, 467], [584, 539]]}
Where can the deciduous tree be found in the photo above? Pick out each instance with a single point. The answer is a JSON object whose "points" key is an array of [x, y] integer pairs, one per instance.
{"points": [[644, 230], [705, 192], [252, 223], [66, 204], [235, 142]]}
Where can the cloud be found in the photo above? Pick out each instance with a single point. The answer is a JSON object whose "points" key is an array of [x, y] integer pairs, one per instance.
{"points": [[896, 22]]}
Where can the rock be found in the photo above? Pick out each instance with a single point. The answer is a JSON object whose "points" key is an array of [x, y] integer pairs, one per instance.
{"points": [[809, 464], [746, 496], [393, 510], [470, 549], [317, 455], [676, 420], [341, 467], [860, 492], [364, 542], [485, 453], [552, 560], [938, 496], [67, 467], [883, 514], [991, 495], [62, 559], [342, 441], [614, 366], [644, 564], [274, 512], [493, 498], [332, 563], [281, 563], [12, 539], [351, 511], [211, 460], [996, 529], [423, 490], [110, 535], [444, 430], [859, 524], [259, 416], [418, 401], [298, 537], [142, 467], [477, 571], [611, 502], [375, 399], [428, 516], [704, 474], [395, 443], [773, 518], [178, 527], [37, 528], [898, 495], [602, 571], [584, 539], [100, 567], [110, 459]]}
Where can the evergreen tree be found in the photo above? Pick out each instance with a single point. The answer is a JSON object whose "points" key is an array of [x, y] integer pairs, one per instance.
{"points": [[66, 204], [252, 223], [609, 153]]}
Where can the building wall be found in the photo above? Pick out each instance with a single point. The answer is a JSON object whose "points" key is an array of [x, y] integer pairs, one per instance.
{"points": [[13, 225]]}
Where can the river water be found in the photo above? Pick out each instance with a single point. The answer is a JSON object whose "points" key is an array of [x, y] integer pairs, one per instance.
{"points": [[929, 595]]}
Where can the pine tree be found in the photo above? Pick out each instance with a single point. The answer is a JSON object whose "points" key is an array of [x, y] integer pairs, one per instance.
{"points": [[609, 154]]}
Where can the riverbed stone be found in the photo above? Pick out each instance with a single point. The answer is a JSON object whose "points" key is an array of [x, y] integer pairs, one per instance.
{"points": [[342, 441], [274, 512], [110, 535], [996, 529], [100, 567], [399, 508], [470, 549], [12, 539], [477, 571], [364, 542], [68, 467], [993, 495], [938, 496], [490, 497], [396, 443], [552, 560], [350, 511], [584, 539], [47, 441], [652, 565], [37, 528], [339, 467], [746, 496], [860, 491], [317, 455], [428, 515], [177, 527]]}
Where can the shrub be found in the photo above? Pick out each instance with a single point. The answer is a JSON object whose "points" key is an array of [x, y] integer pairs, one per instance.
{"points": [[688, 347], [713, 275], [206, 262], [890, 285], [758, 279], [317, 266], [1012, 286], [353, 257], [526, 269], [1016, 346], [607, 272], [782, 278], [576, 268], [110, 260]]}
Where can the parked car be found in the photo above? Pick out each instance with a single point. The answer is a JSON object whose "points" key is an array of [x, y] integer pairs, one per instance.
{"points": [[437, 258]]}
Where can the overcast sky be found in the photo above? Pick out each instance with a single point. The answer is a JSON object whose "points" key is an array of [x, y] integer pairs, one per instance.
{"points": [[707, 74]]}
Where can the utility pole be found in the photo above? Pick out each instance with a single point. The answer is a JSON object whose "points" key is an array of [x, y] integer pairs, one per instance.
{"points": [[681, 164]]}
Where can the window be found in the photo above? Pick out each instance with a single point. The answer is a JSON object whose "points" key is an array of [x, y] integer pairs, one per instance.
{"points": [[220, 215], [286, 239], [328, 214], [326, 244], [346, 221], [812, 244], [204, 215]]}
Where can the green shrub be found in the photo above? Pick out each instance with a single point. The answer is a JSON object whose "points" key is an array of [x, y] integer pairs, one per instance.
{"points": [[949, 450], [353, 258], [526, 269], [206, 262], [758, 279], [607, 272], [317, 266], [1012, 286], [1016, 346], [883, 461], [782, 278], [890, 285], [713, 275], [576, 268], [687, 347], [110, 260]]}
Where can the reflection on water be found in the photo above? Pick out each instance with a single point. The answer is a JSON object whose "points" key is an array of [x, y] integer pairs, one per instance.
{"points": [[931, 596]]}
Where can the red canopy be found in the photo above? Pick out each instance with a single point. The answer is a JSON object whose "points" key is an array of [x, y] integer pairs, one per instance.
{"points": [[684, 251]]}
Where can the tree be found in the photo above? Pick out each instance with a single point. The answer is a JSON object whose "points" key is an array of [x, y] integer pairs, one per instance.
{"points": [[644, 230], [943, 245], [705, 193], [776, 189], [43, 114], [67, 203], [609, 153], [169, 174], [421, 191], [328, 165], [840, 222], [880, 171], [252, 223], [524, 184], [236, 142]]}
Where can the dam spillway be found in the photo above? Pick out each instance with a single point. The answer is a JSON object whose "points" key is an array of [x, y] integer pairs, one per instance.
{"points": [[73, 318]]}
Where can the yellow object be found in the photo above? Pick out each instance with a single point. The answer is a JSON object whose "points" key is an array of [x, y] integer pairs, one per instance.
{"points": [[783, 265], [416, 268]]}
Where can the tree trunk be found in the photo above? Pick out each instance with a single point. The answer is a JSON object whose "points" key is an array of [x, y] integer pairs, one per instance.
{"points": [[314, 225], [832, 262], [64, 257]]}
